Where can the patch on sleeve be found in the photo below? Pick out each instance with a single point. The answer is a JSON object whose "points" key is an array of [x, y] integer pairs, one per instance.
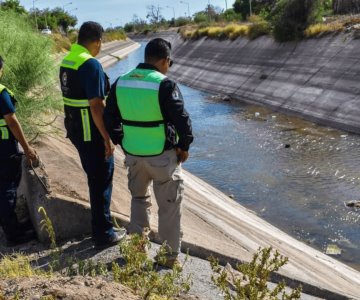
{"points": [[176, 94]]}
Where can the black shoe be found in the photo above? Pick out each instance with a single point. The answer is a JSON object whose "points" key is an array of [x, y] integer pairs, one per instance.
{"points": [[112, 241], [20, 238]]}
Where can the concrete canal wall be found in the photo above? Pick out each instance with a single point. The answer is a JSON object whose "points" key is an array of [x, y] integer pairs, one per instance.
{"points": [[315, 78]]}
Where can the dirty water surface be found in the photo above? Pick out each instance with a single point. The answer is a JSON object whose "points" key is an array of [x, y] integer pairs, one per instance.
{"points": [[292, 173]]}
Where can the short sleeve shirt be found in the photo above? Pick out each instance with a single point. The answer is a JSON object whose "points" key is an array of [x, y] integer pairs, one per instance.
{"points": [[10, 146], [93, 79]]}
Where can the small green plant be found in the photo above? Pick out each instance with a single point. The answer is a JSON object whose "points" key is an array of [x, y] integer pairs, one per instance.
{"points": [[140, 274], [250, 282], [85, 268], [47, 225]]}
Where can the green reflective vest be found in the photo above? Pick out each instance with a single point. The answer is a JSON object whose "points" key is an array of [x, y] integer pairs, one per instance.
{"points": [[4, 130], [77, 56], [137, 94]]}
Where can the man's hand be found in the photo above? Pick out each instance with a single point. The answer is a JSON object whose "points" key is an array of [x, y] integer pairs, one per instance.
{"points": [[109, 148], [182, 155], [31, 156]]}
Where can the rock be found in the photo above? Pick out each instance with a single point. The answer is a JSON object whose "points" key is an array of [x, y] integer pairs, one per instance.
{"points": [[353, 203], [231, 196], [226, 98], [333, 249], [287, 145]]}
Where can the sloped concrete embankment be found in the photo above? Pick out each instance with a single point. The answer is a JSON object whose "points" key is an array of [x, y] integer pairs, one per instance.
{"points": [[316, 78], [213, 224], [114, 51]]}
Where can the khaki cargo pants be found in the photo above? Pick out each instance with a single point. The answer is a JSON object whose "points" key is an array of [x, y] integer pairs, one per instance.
{"points": [[168, 186]]}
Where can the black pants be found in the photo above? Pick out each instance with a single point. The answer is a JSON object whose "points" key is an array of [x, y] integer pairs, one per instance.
{"points": [[99, 171], [10, 175]]}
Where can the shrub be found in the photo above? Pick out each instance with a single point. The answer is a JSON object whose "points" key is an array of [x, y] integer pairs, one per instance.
{"points": [[29, 71], [15, 266], [61, 43], [215, 32], [251, 279], [140, 275], [114, 34], [321, 29], [291, 17], [258, 29]]}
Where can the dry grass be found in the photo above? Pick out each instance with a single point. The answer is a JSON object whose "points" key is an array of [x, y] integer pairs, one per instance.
{"points": [[322, 29], [229, 31], [15, 267]]}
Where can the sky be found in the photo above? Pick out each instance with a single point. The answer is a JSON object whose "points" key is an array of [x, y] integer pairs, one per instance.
{"points": [[118, 12]]}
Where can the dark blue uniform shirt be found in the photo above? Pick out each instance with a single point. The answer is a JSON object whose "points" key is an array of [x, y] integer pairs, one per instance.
{"points": [[10, 146], [92, 78], [91, 83]]}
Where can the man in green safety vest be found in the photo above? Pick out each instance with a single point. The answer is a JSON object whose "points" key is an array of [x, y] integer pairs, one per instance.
{"points": [[10, 168], [84, 86], [145, 114]]}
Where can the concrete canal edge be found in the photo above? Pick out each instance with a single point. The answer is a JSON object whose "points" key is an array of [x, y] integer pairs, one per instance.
{"points": [[317, 79]]}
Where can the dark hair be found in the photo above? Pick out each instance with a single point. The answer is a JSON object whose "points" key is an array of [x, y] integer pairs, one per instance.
{"points": [[157, 49], [90, 32], [1, 62]]}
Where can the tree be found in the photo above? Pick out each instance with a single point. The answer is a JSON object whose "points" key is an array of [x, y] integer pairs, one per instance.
{"points": [[154, 14], [346, 6], [13, 5], [258, 7], [291, 17], [213, 12]]}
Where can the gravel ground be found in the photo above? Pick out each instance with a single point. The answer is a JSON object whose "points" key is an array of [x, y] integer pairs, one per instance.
{"points": [[199, 270]]}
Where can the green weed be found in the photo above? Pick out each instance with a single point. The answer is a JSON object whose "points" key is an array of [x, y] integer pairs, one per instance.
{"points": [[140, 274], [29, 71], [250, 282]]}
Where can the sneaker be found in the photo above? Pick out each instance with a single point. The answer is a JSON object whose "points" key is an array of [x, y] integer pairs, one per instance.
{"points": [[112, 241], [168, 262]]}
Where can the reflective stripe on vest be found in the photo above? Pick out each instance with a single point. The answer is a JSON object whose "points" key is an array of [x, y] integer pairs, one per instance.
{"points": [[86, 124], [3, 126], [74, 60], [137, 94], [76, 102]]}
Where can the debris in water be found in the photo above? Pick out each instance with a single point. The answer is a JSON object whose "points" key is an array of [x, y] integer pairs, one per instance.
{"points": [[273, 117], [257, 114], [226, 98], [333, 249], [231, 196], [353, 203], [287, 146]]}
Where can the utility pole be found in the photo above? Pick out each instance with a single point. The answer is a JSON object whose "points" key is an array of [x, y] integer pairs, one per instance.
{"points": [[226, 4], [35, 14], [250, 8], [173, 13], [188, 5]]}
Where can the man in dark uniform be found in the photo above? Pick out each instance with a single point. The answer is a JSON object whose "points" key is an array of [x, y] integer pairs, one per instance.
{"points": [[10, 167], [147, 111], [84, 86]]}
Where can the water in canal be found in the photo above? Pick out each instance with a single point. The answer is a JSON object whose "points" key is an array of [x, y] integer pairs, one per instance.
{"points": [[292, 173]]}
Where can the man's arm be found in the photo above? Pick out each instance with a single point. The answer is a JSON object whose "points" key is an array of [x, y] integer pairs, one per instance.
{"points": [[93, 82], [112, 117], [172, 106], [15, 128], [97, 111]]}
